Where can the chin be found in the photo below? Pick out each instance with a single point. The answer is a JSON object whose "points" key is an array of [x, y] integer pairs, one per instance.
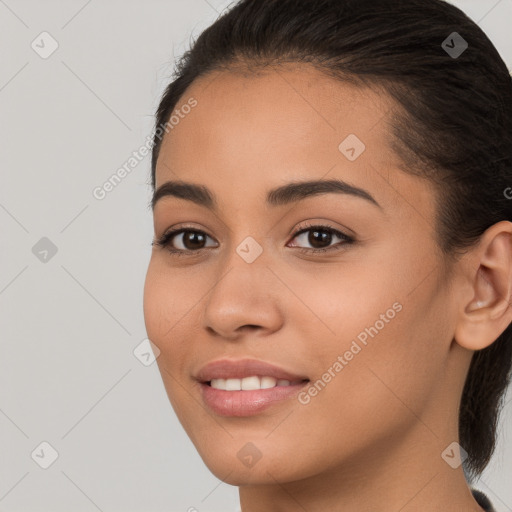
{"points": [[235, 473], [242, 461]]}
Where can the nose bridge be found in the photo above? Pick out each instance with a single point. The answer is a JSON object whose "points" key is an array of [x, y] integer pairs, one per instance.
{"points": [[244, 266], [242, 295], [246, 246]]}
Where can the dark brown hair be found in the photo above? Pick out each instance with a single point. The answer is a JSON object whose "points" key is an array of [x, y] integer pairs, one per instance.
{"points": [[452, 124]]}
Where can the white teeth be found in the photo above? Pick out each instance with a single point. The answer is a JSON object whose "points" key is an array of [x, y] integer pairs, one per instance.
{"points": [[233, 385], [218, 383], [268, 382], [248, 383]]}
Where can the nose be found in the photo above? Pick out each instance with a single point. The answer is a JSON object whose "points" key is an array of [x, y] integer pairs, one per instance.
{"points": [[244, 300]]}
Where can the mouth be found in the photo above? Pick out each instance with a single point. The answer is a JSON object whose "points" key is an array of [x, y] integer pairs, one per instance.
{"points": [[251, 383], [247, 387]]}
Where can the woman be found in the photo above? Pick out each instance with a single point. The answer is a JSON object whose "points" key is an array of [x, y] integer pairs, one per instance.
{"points": [[331, 274]]}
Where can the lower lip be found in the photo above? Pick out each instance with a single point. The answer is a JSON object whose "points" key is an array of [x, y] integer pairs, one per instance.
{"points": [[246, 403]]}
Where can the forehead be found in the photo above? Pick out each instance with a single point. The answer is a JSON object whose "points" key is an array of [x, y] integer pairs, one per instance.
{"points": [[252, 132]]}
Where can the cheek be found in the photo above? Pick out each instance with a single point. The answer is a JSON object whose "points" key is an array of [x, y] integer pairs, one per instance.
{"points": [[168, 299], [165, 310], [156, 306], [375, 395], [343, 304], [392, 377], [391, 341]]}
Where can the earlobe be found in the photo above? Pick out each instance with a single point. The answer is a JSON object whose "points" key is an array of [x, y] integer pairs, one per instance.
{"points": [[488, 311]]}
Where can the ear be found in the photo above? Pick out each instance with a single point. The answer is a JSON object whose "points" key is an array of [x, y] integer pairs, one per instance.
{"points": [[486, 306]]}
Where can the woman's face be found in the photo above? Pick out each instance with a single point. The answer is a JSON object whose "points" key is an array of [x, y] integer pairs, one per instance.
{"points": [[369, 322]]}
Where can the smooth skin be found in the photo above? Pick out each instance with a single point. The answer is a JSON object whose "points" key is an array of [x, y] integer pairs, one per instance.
{"points": [[372, 439]]}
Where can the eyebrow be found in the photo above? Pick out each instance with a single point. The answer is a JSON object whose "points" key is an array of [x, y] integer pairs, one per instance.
{"points": [[283, 195]]}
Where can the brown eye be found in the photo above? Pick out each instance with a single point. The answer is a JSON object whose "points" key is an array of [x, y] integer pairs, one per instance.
{"points": [[183, 240], [320, 238], [192, 240]]}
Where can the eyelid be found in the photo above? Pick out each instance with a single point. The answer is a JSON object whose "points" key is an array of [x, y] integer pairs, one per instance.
{"points": [[347, 239], [325, 225], [169, 234]]}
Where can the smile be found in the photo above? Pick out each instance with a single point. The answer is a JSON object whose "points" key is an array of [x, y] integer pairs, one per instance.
{"points": [[246, 387], [250, 383]]}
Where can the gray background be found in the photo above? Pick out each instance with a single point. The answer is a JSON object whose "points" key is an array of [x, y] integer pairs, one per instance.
{"points": [[69, 324]]}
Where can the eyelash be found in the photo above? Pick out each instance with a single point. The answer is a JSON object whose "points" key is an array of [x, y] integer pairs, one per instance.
{"points": [[165, 239]]}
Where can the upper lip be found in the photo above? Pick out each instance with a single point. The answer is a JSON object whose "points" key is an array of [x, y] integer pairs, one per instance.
{"points": [[240, 368]]}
